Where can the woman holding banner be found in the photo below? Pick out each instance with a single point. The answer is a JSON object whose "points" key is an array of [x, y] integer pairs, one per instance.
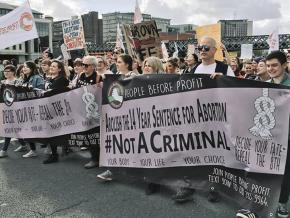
{"points": [[34, 80], [58, 83], [10, 75], [124, 67]]}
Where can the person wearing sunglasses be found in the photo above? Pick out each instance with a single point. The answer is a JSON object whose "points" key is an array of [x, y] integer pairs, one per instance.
{"points": [[89, 68], [89, 77], [208, 65], [207, 49]]}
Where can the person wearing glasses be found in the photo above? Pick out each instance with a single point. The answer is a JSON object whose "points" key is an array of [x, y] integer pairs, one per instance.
{"points": [[78, 68], [102, 67], [208, 65], [10, 75], [207, 49], [191, 61], [89, 77]]}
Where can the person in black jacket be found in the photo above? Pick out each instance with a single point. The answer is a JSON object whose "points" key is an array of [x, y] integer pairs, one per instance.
{"points": [[58, 84], [191, 61], [89, 77]]}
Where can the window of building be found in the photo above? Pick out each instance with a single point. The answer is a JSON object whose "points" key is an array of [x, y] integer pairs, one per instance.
{"points": [[36, 45], [42, 29]]}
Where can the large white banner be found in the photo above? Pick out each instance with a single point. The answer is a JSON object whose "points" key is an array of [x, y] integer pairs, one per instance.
{"points": [[223, 134], [17, 26], [240, 128], [30, 114]]}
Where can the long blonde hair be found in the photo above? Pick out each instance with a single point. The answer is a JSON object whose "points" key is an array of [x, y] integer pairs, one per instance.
{"points": [[155, 63]]}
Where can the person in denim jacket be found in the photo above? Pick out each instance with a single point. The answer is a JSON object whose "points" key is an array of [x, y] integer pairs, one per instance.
{"points": [[31, 76], [34, 80]]}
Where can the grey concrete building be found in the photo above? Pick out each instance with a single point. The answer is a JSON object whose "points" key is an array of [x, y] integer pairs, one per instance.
{"points": [[110, 21], [181, 28], [234, 28]]}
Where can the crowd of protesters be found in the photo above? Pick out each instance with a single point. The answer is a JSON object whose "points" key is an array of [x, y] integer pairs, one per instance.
{"points": [[49, 74]]}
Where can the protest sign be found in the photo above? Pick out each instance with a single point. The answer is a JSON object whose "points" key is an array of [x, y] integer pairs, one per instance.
{"points": [[27, 113], [143, 40], [273, 41], [214, 31], [73, 34], [246, 51], [209, 131], [17, 26]]}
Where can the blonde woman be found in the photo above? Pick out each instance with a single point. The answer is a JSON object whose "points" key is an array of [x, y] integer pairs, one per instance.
{"points": [[152, 65]]}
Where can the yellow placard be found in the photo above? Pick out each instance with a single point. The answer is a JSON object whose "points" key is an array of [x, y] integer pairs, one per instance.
{"points": [[233, 54], [214, 31]]}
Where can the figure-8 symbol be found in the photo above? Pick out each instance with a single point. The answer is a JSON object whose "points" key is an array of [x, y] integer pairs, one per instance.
{"points": [[264, 120], [91, 106]]}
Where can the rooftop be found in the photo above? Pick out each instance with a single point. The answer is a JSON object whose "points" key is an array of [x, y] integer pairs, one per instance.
{"points": [[12, 7]]}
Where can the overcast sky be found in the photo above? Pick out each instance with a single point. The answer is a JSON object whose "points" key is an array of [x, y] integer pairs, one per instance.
{"points": [[266, 14]]}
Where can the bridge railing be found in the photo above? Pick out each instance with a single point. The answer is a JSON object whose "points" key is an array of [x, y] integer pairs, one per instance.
{"points": [[231, 43]]}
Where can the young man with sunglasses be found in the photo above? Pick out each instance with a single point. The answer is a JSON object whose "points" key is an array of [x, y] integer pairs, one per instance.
{"points": [[209, 65]]}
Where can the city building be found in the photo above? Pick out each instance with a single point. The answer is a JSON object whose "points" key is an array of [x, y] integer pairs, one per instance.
{"points": [[181, 28], [31, 49], [234, 28], [93, 27], [111, 20], [57, 37], [162, 23]]}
